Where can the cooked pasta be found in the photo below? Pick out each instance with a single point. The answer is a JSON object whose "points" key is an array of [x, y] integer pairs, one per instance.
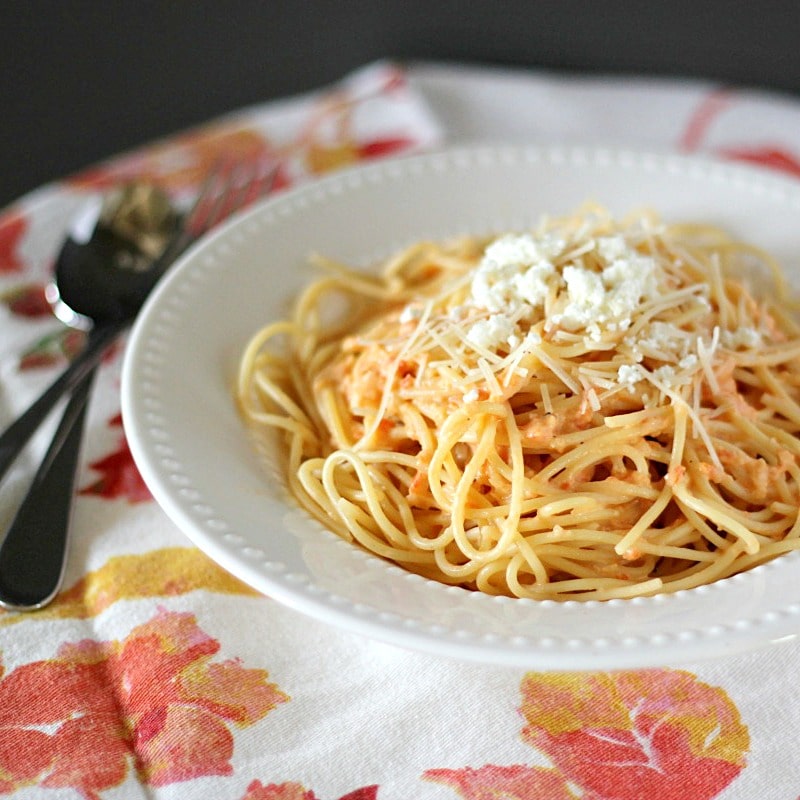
{"points": [[594, 409]]}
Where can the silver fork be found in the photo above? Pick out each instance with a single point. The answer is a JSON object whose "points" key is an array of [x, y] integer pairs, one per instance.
{"points": [[33, 552]]}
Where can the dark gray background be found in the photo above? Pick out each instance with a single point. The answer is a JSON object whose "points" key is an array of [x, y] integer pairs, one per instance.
{"points": [[84, 80]]}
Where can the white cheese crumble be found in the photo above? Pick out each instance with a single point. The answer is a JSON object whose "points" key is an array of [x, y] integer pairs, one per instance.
{"points": [[628, 375], [598, 301], [516, 277], [515, 274], [664, 340], [492, 332]]}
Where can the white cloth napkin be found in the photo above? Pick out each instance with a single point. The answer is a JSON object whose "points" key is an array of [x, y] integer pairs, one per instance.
{"points": [[155, 674]]}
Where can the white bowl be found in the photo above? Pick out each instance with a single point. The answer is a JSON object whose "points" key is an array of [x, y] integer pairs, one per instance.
{"points": [[202, 467]]}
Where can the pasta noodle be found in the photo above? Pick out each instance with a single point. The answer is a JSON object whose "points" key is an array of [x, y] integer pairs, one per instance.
{"points": [[594, 409]]}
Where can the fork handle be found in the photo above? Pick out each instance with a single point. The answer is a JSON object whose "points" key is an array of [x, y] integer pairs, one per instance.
{"points": [[17, 435], [33, 553]]}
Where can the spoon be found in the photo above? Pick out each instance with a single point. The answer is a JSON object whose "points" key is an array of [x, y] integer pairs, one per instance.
{"points": [[116, 238], [103, 273], [115, 253]]}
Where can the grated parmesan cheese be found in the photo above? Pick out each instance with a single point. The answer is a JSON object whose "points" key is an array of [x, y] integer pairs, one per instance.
{"points": [[411, 313], [742, 337]]}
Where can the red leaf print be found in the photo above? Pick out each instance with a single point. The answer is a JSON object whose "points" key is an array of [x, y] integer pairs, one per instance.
{"points": [[53, 349], [517, 782], [709, 110], [91, 753], [295, 791], [88, 748], [12, 228], [119, 475], [278, 791], [365, 793], [77, 721], [282, 179], [765, 156], [628, 735], [27, 300], [165, 758], [711, 106], [395, 80], [384, 147]]}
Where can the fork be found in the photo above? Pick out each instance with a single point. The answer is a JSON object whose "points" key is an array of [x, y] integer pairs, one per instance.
{"points": [[33, 552]]}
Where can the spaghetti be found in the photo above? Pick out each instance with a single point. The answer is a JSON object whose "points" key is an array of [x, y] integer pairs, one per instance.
{"points": [[599, 408]]}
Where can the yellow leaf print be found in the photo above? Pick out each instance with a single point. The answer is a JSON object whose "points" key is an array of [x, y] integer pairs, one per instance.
{"points": [[158, 573]]}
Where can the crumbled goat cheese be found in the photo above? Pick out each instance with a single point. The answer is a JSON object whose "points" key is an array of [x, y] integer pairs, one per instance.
{"points": [[629, 375], [515, 273], [611, 247], [606, 300], [666, 375], [492, 332], [666, 339]]}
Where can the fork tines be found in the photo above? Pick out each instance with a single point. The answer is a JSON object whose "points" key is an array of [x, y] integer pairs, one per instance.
{"points": [[229, 186]]}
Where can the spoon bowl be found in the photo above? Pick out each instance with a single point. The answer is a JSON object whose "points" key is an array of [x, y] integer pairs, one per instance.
{"points": [[106, 266]]}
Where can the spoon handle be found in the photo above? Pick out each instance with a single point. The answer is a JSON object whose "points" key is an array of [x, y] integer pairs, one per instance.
{"points": [[33, 553], [16, 436]]}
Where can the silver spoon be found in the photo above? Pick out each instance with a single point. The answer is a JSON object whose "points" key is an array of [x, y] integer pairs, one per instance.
{"points": [[101, 252], [114, 255]]}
